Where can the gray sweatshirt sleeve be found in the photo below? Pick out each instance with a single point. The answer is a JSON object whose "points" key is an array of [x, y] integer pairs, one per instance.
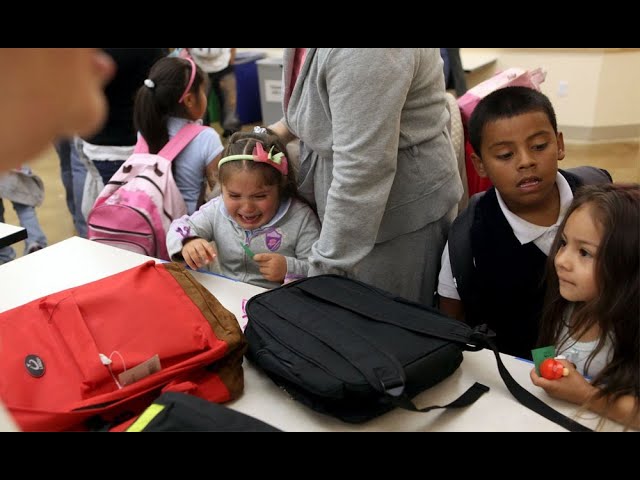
{"points": [[366, 90], [308, 234], [200, 224]]}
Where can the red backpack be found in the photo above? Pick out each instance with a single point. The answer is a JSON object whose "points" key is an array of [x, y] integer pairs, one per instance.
{"points": [[100, 353]]}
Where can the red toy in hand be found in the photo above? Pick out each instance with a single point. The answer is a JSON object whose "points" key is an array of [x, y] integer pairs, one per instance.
{"points": [[552, 369]]}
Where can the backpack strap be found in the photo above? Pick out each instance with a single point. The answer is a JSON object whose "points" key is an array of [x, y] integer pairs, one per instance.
{"points": [[591, 175], [391, 310], [383, 371], [174, 146], [526, 398], [460, 256], [180, 140], [141, 145]]}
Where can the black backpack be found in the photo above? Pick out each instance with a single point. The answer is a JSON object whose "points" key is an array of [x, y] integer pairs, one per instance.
{"points": [[181, 412], [350, 350], [460, 254]]}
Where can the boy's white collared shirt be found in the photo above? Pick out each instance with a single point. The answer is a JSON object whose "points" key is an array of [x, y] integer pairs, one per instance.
{"points": [[527, 232]]}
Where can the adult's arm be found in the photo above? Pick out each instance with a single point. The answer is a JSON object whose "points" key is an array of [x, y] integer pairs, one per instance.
{"points": [[281, 130], [366, 90]]}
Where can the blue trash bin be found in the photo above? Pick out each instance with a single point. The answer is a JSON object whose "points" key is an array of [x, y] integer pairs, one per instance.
{"points": [[248, 86]]}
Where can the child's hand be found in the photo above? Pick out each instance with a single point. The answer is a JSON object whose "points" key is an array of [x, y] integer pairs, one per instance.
{"points": [[273, 266], [573, 388], [197, 253]]}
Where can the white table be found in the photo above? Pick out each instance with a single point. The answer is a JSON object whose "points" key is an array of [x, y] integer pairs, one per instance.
{"points": [[10, 234], [76, 261]]}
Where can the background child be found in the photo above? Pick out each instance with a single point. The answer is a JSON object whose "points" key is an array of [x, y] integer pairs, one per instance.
{"points": [[102, 154], [175, 94], [517, 145], [218, 64], [258, 209], [73, 174], [25, 191], [591, 308]]}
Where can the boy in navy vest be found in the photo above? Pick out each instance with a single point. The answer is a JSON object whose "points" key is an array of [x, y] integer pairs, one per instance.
{"points": [[517, 145]]}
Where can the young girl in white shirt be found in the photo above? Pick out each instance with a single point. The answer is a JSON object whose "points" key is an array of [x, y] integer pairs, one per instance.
{"points": [[591, 307]]}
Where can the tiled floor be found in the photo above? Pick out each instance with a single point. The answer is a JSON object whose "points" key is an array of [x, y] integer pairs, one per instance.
{"points": [[621, 159]]}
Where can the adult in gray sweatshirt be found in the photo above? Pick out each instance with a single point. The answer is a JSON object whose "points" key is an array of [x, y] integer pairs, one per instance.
{"points": [[376, 161]]}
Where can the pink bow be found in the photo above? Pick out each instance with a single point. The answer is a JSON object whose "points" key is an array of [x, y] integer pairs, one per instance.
{"points": [[277, 161]]}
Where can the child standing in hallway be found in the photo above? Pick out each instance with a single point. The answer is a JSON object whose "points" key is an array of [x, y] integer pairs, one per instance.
{"points": [[73, 174], [263, 232], [591, 308], [105, 151], [25, 191], [173, 95], [218, 64]]}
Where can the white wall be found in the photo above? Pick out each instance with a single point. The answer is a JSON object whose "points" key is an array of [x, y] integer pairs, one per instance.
{"points": [[603, 94], [619, 101], [603, 87], [270, 52]]}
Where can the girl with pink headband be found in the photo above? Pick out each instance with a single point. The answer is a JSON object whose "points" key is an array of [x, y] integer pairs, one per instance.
{"points": [[262, 230], [172, 96]]}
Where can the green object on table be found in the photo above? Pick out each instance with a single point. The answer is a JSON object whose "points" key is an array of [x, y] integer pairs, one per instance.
{"points": [[541, 354], [247, 250]]}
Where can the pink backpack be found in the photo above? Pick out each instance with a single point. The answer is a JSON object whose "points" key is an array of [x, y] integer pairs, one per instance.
{"points": [[136, 207], [511, 77]]}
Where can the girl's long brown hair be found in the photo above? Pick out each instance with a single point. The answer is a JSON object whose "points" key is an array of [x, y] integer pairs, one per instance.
{"points": [[616, 310]]}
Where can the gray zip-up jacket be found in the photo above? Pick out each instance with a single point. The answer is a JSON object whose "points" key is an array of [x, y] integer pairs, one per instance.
{"points": [[291, 232], [376, 161], [22, 186]]}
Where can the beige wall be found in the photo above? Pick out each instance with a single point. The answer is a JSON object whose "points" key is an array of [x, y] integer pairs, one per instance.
{"points": [[603, 94], [270, 52], [620, 79], [603, 87]]}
